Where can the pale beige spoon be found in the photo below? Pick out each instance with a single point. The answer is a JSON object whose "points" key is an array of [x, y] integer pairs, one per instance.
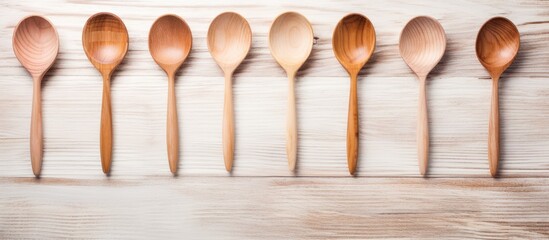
{"points": [[291, 41], [36, 44], [170, 42], [229, 41], [498, 42], [422, 45]]}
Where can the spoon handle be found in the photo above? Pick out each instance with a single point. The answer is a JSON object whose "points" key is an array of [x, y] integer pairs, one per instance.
{"points": [[291, 122], [228, 124], [422, 128], [36, 128], [172, 128], [352, 127], [106, 127], [493, 130]]}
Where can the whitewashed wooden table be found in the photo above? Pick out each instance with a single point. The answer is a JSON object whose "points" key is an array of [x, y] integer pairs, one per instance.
{"points": [[261, 199]]}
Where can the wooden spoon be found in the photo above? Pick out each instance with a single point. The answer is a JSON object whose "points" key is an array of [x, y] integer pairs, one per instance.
{"points": [[229, 41], [353, 42], [36, 44], [291, 41], [170, 42], [498, 42], [105, 41], [422, 45]]}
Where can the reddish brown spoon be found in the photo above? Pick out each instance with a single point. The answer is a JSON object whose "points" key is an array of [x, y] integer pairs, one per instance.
{"points": [[498, 42], [36, 44], [353, 42]]}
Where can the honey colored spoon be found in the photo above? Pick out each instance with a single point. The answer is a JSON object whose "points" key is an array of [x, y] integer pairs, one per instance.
{"points": [[353, 43], [170, 42], [105, 41], [291, 41], [229, 40], [422, 45], [36, 44], [498, 42]]}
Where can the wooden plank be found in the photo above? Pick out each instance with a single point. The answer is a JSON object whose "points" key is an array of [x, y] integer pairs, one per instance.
{"points": [[274, 208], [261, 199], [458, 107]]}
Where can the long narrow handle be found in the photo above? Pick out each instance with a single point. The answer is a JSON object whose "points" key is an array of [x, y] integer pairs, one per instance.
{"points": [[106, 127], [228, 124], [352, 127], [422, 129], [36, 129], [493, 130], [291, 123], [172, 129]]}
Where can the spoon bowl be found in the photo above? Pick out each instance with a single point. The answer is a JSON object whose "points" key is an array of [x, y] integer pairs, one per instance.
{"points": [[170, 42], [354, 41], [291, 41], [36, 44], [422, 45], [498, 43], [105, 42], [229, 41]]}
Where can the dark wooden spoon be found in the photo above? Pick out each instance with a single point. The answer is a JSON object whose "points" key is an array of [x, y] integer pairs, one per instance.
{"points": [[498, 42], [353, 43]]}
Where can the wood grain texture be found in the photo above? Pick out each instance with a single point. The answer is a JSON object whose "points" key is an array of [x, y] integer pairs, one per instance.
{"points": [[36, 44], [498, 43], [262, 199], [275, 208]]}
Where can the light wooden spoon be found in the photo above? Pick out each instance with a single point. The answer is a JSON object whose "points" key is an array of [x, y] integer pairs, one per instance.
{"points": [[291, 41], [36, 44], [353, 43], [170, 42], [498, 42], [105, 41], [422, 45], [229, 41]]}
